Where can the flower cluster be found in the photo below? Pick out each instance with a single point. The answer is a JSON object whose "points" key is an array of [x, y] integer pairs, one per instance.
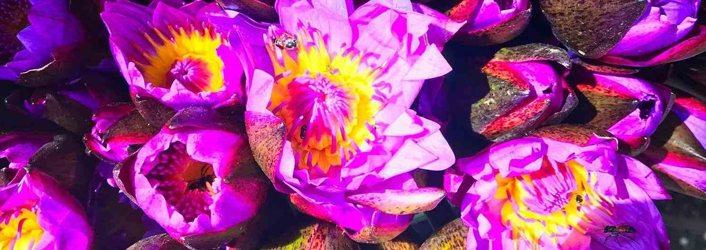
{"points": [[316, 124]]}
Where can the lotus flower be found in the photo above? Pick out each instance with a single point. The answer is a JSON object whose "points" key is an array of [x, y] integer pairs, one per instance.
{"points": [[199, 182], [38, 214], [33, 32], [678, 148], [562, 187], [491, 21], [328, 111], [628, 107], [172, 54], [639, 33]]}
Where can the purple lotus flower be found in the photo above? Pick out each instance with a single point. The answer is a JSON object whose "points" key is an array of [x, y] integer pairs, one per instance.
{"points": [[666, 32], [491, 21], [560, 188], [328, 112], [173, 54], [628, 107], [38, 214], [195, 182], [678, 148], [33, 32]]}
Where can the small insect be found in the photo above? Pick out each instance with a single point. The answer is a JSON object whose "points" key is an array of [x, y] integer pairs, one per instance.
{"points": [[617, 231], [302, 132], [204, 182], [579, 199], [285, 42]]}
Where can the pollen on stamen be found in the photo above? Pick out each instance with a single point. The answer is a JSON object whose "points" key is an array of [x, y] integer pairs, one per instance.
{"points": [[187, 55], [325, 100]]}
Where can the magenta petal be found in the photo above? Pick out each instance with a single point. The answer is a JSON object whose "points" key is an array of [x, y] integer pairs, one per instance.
{"points": [[693, 44], [158, 177], [59, 214], [537, 175], [688, 172], [693, 113], [51, 28], [131, 28], [19, 147]]}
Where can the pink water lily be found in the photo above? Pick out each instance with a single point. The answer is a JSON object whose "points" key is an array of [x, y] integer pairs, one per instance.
{"points": [[36, 213], [169, 52], [327, 114], [199, 184], [561, 187]]}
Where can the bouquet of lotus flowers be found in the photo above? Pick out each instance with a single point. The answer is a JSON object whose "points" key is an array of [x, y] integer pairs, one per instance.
{"points": [[352, 124]]}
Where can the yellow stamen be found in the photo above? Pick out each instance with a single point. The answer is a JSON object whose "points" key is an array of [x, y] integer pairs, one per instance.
{"points": [[197, 45], [323, 148], [20, 231], [531, 225]]}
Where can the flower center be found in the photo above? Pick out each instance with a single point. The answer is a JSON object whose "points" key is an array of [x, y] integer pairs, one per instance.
{"points": [[13, 18], [549, 199], [189, 57], [19, 229], [327, 104], [184, 182]]}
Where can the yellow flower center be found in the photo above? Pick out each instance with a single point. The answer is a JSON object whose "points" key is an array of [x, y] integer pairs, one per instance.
{"points": [[328, 104], [189, 57], [19, 230], [545, 201]]}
